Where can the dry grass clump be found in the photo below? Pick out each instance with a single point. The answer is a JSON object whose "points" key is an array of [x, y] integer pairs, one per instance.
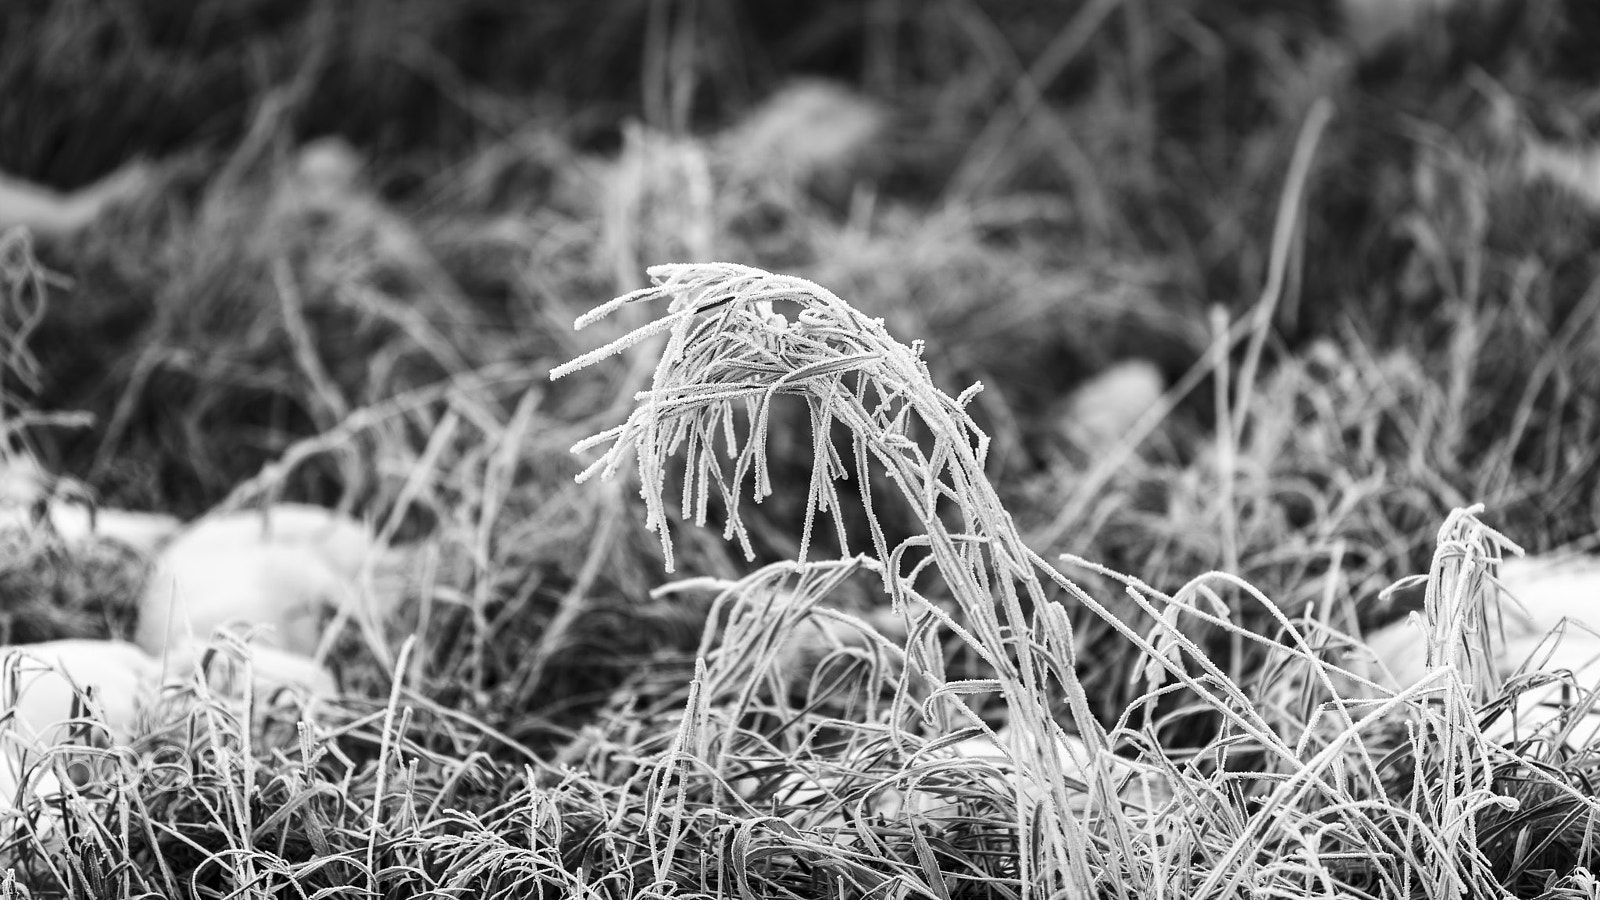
{"points": [[728, 346], [755, 784]]}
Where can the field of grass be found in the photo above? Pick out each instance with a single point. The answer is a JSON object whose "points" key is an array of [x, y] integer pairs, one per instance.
{"points": [[715, 595]]}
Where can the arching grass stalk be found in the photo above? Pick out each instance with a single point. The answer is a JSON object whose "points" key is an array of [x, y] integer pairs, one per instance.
{"points": [[730, 347]]}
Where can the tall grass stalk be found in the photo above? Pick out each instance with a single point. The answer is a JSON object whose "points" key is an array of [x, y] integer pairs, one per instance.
{"points": [[729, 347]]}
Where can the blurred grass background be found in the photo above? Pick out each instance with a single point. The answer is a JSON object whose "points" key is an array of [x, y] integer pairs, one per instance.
{"points": [[369, 225]]}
